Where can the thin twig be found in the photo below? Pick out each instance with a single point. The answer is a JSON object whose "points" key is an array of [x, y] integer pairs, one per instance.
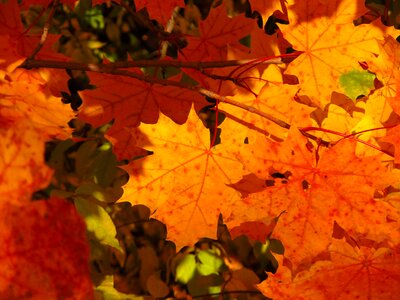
{"points": [[46, 29], [169, 28]]}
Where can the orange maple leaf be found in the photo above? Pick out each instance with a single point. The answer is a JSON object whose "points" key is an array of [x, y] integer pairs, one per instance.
{"points": [[365, 270], [184, 181], [125, 141], [314, 187], [26, 96], [313, 25], [22, 165], [267, 8], [393, 137], [273, 98], [386, 66]]}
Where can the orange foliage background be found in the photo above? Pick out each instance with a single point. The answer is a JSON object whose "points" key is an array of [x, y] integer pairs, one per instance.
{"points": [[340, 204]]}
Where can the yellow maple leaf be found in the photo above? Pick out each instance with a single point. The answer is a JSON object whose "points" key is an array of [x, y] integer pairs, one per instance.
{"points": [[332, 45]]}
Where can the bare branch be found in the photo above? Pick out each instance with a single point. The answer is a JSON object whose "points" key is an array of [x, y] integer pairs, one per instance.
{"points": [[199, 65]]}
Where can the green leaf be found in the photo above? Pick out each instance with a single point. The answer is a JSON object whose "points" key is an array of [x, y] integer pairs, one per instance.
{"points": [[98, 222], [97, 163], [94, 17], [186, 269], [356, 83], [209, 262]]}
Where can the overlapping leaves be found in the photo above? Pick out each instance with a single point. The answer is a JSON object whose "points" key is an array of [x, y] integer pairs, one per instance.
{"points": [[332, 159]]}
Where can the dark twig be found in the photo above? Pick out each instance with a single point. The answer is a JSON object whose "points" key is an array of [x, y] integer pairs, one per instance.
{"points": [[46, 29]]}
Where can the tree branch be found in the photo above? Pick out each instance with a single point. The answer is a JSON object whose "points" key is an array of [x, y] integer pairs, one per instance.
{"points": [[199, 65], [106, 69]]}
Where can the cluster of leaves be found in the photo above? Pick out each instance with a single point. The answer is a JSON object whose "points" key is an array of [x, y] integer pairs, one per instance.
{"points": [[209, 269], [250, 110], [130, 248]]}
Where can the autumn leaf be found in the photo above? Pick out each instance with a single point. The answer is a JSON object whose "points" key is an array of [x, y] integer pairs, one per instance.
{"points": [[393, 138], [273, 98], [125, 141], [44, 254], [10, 21], [385, 67], [369, 270], [190, 208], [342, 92], [22, 162], [21, 42], [130, 101], [312, 28], [25, 95], [217, 33], [268, 8], [158, 9], [313, 191], [358, 120]]}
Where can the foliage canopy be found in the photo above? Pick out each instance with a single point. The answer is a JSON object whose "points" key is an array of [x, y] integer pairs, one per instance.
{"points": [[199, 149]]}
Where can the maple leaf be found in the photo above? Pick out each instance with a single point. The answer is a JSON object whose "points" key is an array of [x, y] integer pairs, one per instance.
{"points": [[24, 95], [314, 192], [362, 116], [386, 68], [393, 137], [22, 162], [189, 208], [217, 33], [325, 31], [44, 254], [16, 44], [125, 141], [130, 101], [158, 9], [267, 8], [395, 103], [10, 22], [348, 270], [22, 42], [273, 98], [263, 45]]}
